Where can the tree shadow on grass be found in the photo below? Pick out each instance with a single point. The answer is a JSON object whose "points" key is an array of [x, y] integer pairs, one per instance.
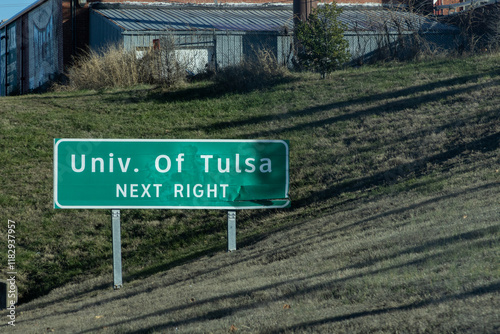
{"points": [[270, 255], [193, 90], [387, 108], [313, 239], [324, 285], [410, 102], [414, 169], [204, 91], [494, 287]]}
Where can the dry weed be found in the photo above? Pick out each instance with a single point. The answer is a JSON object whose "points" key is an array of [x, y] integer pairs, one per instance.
{"points": [[110, 67], [116, 67]]}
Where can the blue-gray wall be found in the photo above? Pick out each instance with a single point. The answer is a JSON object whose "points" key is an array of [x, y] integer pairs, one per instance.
{"points": [[103, 32]]}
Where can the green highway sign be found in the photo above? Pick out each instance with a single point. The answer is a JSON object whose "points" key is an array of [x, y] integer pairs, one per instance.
{"points": [[170, 174]]}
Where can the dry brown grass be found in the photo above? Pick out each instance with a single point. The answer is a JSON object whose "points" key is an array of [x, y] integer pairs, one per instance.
{"points": [[114, 67]]}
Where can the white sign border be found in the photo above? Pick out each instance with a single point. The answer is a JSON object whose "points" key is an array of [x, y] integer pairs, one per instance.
{"points": [[57, 205]]}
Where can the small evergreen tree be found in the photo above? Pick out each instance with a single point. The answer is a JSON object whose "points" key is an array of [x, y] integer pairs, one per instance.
{"points": [[321, 43]]}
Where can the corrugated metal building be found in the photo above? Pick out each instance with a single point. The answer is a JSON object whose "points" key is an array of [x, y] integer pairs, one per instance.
{"points": [[226, 35], [220, 35], [31, 48]]}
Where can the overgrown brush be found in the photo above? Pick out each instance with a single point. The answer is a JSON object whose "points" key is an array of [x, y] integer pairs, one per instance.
{"points": [[254, 73], [400, 36], [166, 66], [114, 67]]}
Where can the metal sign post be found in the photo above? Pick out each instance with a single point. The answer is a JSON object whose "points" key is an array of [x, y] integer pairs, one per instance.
{"points": [[231, 231], [117, 249]]}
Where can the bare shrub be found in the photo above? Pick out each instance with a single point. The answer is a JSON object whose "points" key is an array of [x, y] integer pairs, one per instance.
{"points": [[493, 28], [479, 26], [162, 65], [398, 36], [470, 22], [254, 73]]}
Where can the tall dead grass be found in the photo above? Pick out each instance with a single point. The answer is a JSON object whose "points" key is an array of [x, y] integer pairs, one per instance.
{"points": [[110, 67]]}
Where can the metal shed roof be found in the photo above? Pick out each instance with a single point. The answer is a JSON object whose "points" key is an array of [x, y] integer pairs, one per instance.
{"points": [[378, 18], [259, 19], [198, 18]]}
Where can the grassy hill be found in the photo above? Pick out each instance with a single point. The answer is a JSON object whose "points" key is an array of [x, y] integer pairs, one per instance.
{"points": [[394, 224]]}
